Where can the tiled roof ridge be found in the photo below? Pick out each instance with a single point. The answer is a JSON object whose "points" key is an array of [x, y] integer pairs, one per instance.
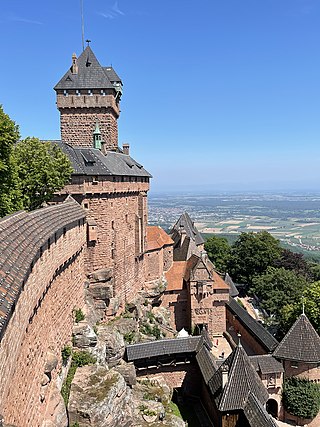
{"points": [[20, 243], [301, 343]]}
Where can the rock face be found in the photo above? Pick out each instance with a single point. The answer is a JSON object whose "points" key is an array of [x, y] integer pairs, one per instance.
{"points": [[110, 346], [84, 335], [99, 398]]}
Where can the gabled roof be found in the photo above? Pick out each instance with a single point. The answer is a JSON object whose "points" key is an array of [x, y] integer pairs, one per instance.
{"points": [[163, 347], [301, 343], [185, 223], [90, 74], [157, 238], [256, 414], [266, 364], [233, 290], [174, 276], [91, 161], [252, 326], [242, 379]]}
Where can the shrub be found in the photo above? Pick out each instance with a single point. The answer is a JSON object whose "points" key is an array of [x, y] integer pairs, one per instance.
{"points": [[66, 353], [301, 397], [78, 315], [129, 337]]}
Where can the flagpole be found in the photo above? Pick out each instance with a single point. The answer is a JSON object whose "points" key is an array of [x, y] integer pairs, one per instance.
{"points": [[82, 24]]}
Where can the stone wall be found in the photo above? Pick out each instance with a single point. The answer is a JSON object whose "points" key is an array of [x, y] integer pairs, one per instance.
{"points": [[118, 208], [154, 264], [177, 303], [39, 328], [210, 311], [237, 326], [80, 113], [186, 376]]}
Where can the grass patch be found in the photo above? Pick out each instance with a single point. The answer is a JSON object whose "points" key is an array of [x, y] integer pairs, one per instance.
{"points": [[79, 358], [174, 409]]}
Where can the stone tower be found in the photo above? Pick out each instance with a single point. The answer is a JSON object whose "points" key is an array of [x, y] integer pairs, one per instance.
{"points": [[86, 95]]}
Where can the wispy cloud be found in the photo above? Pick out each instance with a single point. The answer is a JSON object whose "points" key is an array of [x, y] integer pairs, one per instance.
{"points": [[24, 20], [113, 12]]}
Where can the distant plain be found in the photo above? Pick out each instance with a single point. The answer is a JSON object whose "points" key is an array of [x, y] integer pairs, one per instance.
{"points": [[293, 218]]}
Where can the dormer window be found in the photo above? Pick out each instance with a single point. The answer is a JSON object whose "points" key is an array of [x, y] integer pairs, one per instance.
{"points": [[78, 93]]}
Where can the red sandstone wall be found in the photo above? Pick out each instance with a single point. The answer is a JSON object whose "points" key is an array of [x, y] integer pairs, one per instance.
{"points": [[177, 303], [79, 114], [154, 264], [210, 311], [184, 375], [167, 257], [42, 322], [119, 209], [233, 322]]}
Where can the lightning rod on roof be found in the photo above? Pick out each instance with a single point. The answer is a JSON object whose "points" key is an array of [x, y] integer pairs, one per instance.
{"points": [[82, 24]]}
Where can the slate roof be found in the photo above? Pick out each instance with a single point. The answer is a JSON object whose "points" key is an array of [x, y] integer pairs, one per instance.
{"points": [[233, 290], [252, 326], [163, 347], [242, 379], [91, 75], [206, 363], [185, 223], [266, 364], [301, 343], [91, 161], [157, 238], [21, 236], [256, 414]]}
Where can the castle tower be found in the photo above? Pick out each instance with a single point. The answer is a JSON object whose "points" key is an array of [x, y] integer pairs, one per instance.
{"points": [[86, 95]]}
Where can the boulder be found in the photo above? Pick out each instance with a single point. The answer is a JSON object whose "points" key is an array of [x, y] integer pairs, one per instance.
{"points": [[101, 291], [155, 288], [128, 371], [102, 275], [99, 398], [84, 335], [51, 363]]}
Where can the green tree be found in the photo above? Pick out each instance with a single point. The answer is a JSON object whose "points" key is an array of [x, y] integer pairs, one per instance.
{"points": [[310, 302], [42, 169], [301, 397], [9, 183], [218, 250], [278, 289], [252, 254]]}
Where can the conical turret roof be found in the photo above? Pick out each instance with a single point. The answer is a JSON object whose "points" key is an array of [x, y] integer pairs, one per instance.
{"points": [[301, 343], [242, 380]]}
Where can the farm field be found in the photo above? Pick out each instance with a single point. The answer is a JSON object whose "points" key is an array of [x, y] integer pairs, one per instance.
{"points": [[292, 218]]}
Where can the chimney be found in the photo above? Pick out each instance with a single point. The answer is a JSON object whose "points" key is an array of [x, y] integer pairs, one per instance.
{"points": [[183, 234], [225, 374], [126, 148], [74, 66]]}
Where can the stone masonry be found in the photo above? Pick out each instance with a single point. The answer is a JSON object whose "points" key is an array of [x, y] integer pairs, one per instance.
{"points": [[42, 317]]}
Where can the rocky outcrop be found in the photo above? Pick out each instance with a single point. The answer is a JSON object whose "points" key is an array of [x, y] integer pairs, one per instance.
{"points": [[155, 288], [56, 414], [84, 335], [110, 346], [99, 398], [128, 371], [100, 296]]}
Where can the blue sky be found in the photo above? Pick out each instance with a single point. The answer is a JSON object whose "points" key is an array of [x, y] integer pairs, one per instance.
{"points": [[218, 94]]}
